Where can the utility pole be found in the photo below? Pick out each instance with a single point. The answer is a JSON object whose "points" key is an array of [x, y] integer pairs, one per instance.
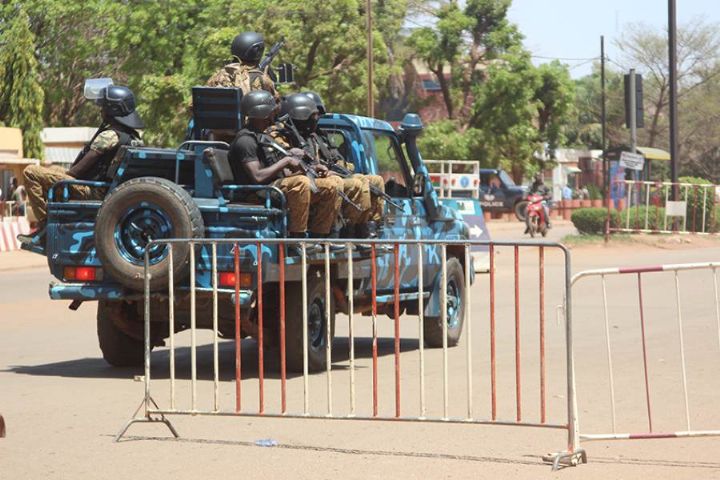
{"points": [[370, 61], [672, 54]]}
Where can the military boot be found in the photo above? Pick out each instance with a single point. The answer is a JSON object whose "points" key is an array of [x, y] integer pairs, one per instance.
{"points": [[295, 249]]}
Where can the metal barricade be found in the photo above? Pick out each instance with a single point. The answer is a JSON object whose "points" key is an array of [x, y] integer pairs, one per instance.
{"points": [[455, 176], [345, 274], [660, 341], [645, 207]]}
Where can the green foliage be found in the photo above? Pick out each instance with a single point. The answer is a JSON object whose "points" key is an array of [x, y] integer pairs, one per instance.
{"points": [[594, 192], [21, 94], [591, 221], [697, 199]]}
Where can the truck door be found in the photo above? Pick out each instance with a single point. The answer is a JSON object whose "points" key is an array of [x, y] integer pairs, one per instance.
{"points": [[410, 222]]}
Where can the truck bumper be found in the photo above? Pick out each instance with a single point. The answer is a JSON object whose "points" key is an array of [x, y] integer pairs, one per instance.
{"points": [[89, 291]]}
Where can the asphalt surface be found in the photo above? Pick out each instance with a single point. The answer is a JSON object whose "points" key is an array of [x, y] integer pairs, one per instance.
{"points": [[62, 404]]}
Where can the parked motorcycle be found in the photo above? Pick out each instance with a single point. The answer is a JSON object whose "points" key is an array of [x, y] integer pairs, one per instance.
{"points": [[535, 219]]}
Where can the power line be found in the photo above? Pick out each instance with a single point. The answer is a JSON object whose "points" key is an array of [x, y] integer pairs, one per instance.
{"points": [[565, 59]]}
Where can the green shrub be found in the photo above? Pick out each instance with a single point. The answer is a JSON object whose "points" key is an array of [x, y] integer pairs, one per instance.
{"points": [[589, 221], [696, 198]]}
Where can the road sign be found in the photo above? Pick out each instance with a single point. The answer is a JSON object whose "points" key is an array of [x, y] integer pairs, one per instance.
{"points": [[633, 161]]}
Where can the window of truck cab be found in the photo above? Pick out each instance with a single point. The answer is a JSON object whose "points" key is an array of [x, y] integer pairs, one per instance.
{"points": [[391, 162]]}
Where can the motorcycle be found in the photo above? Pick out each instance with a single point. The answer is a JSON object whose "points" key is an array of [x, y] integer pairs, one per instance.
{"points": [[535, 218]]}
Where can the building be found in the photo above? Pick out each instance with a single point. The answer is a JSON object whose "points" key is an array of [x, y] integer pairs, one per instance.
{"points": [[12, 161], [62, 144]]}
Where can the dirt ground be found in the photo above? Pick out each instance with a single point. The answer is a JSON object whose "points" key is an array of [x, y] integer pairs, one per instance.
{"points": [[62, 404]]}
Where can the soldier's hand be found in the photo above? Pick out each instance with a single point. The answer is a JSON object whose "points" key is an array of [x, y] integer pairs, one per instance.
{"points": [[322, 171], [297, 152], [293, 163]]}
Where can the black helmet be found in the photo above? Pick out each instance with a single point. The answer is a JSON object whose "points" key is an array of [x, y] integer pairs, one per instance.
{"points": [[119, 103], [299, 107], [318, 101], [258, 104], [248, 47]]}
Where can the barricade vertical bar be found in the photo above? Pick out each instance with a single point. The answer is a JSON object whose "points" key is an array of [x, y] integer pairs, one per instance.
{"points": [[628, 206], [636, 224], [283, 360], [682, 350], [647, 205], [573, 424], [667, 191], [238, 334], [443, 319], [306, 386], [518, 386], [685, 217], [704, 211], [396, 255], [261, 351], [717, 302], [171, 319], [148, 347], [193, 330], [468, 327], [609, 353], [541, 254], [493, 385], [351, 333], [373, 280], [644, 349], [216, 367], [328, 337], [421, 329], [694, 214]]}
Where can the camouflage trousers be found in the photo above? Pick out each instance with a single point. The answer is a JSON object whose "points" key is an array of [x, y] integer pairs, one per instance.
{"points": [[377, 203], [39, 180], [308, 211], [357, 188]]}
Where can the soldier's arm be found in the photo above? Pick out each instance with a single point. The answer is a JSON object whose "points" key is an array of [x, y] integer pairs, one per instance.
{"points": [[265, 175]]}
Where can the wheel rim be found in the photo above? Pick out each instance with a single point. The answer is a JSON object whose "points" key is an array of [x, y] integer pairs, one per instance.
{"points": [[137, 227], [454, 304], [316, 324]]}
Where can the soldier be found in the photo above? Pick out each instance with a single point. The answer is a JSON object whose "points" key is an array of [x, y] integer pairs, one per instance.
{"points": [[255, 161], [120, 126], [369, 222], [247, 48]]}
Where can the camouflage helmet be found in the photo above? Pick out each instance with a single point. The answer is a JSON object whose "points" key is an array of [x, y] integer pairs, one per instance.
{"points": [[299, 107], [318, 101], [258, 104], [118, 103], [248, 47]]}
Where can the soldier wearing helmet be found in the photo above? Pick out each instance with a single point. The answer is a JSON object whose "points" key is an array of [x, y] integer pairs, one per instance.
{"points": [[121, 125], [254, 161], [247, 49]]}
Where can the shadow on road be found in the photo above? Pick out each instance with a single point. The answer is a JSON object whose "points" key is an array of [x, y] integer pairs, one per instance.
{"points": [[98, 368]]}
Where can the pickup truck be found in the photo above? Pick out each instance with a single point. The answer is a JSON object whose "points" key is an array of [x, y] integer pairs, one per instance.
{"points": [[96, 249], [499, 193]]}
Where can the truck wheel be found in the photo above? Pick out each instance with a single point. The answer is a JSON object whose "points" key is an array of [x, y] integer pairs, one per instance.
{"points": [[118, 348], [140, 210], [432, 326], [520, 210], [317, 324]]}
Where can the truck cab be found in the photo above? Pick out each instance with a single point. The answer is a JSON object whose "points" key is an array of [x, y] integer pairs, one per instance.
{"points": [[499, 193]]}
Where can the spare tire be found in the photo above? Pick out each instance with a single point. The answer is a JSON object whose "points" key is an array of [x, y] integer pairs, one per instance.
{"points": [[133, 214]]}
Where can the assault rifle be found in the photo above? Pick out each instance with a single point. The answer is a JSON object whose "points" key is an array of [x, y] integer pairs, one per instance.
{"points": [[272, 53]]}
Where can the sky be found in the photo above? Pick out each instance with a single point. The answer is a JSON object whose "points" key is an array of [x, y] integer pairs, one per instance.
{"points": [[571, 28]]}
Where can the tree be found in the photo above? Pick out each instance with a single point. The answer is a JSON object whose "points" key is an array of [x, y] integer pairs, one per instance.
{"points": [[21, 95]]}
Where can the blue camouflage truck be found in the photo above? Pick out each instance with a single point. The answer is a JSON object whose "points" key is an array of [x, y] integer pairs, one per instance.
{"points": [[96, 249]]}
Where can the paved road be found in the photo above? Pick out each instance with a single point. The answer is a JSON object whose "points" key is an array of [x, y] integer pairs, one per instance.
{"points": [[62, 404]]}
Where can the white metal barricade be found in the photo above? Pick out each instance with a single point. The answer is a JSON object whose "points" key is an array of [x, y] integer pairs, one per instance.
{"points": [[644, 317], [382, 261]]}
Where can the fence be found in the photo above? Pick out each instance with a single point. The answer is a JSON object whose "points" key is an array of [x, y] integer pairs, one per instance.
{"points": [[371, 283], [705, 321], [645, 207]]}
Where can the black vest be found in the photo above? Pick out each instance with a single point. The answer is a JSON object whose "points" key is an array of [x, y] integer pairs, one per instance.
{"points": [[100, 168]]}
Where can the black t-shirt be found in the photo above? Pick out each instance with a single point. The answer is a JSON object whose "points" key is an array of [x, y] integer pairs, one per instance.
{"points": [[245, 149]]}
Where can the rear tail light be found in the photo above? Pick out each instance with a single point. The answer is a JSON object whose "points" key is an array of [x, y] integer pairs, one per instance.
{"points": [[82, 274], [227, 279]]}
